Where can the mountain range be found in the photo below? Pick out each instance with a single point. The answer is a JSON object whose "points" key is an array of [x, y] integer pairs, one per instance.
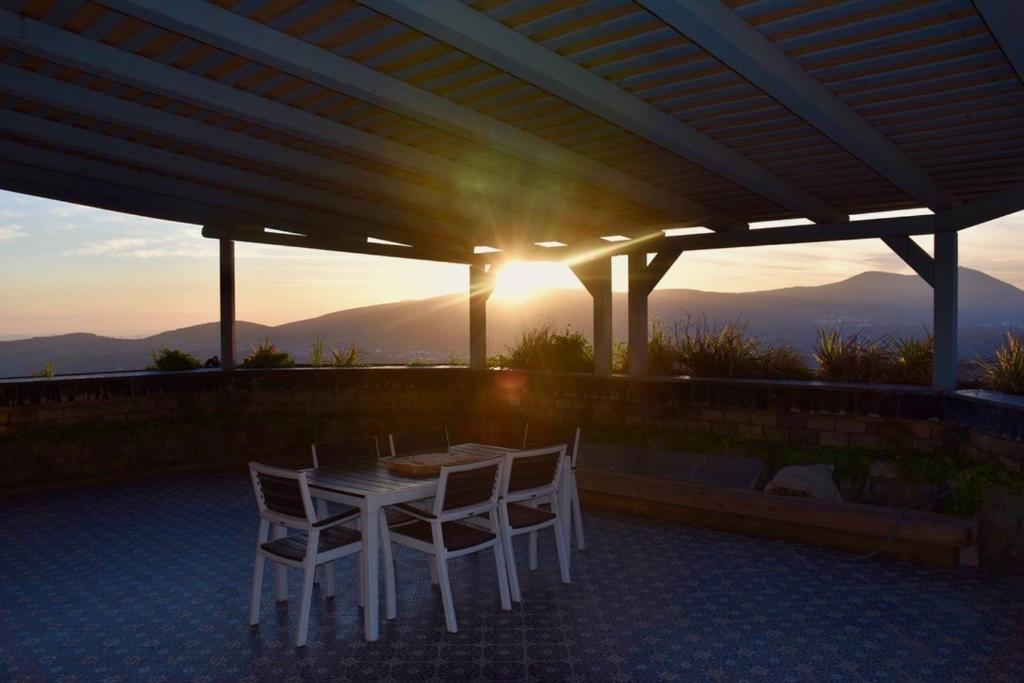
{"points": [[437, 329]]}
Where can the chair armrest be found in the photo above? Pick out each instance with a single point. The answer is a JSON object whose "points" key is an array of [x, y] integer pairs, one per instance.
{"points": [[334, 520], [413, 511]]}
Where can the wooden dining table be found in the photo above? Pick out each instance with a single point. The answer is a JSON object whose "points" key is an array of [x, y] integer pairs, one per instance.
{"points": [[371, 485]]}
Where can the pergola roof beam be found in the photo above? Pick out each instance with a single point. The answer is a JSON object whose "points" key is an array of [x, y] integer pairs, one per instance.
{"points": [[471, 31], [215, 204], [1005, 20], [322, 243], [725, 35], [64, 47], [64, 187], [211, 24], [1006, 201], [67, 137], [913, 255]]}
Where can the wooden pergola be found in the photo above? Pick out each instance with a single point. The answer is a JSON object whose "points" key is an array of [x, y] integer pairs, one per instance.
{"points": [[474, 132]]}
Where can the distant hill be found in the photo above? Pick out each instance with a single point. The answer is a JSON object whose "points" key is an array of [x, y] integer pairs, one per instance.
{"points": [[437, 328]]}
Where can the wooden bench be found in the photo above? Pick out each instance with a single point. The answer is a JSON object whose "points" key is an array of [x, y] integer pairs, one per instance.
{"points": [[924, 537]]}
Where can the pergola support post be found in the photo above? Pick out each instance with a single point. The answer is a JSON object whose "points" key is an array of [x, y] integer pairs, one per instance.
{"points": [[596, 277], [944, 309], [643, 278], [481, 284], [227, 304]]}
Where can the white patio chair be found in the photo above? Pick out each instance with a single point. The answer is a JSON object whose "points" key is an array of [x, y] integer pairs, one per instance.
{"points": [[463, 492], [532, 478], [572, 445], [420, 441], [284, 503]]}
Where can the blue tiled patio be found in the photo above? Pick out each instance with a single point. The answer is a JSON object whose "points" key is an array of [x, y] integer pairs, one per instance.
{"points": [[149, 582]]}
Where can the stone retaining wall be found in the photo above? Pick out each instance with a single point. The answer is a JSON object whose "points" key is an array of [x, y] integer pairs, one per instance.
{"points": [[1001, 532], [67, 430]]}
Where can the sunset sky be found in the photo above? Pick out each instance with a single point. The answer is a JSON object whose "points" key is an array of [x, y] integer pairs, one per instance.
{"points": [[68, 268]]}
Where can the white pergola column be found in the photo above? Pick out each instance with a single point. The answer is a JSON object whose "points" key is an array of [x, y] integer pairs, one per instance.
{"points": [[596, 276], [944, 310], [481, 284], [227, 304], [643, 278], [637, 304]]}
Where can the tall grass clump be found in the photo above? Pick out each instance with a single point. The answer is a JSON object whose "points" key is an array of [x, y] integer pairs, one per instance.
{"points": [[542, 348], [857, 357], [1004, 371], [316, 353], [349, 357], [169, 360], [48, 370], [912, 362], [729, 350], [663, 357], [266, 355], [707, 350], [852, 358]]}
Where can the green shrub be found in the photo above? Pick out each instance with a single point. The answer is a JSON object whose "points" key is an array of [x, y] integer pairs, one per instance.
{"points": [[541, 348], [852, 358], [266, 355], [346, 358], [1005, 370], [168, 360], [48, 370], [968, 480], [620, 357]]}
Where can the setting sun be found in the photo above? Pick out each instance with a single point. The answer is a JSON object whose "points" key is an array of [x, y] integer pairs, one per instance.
{"points": [[519, 280]]}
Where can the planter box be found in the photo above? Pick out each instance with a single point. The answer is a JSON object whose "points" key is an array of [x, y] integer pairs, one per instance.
{"points": [[923, 537]]}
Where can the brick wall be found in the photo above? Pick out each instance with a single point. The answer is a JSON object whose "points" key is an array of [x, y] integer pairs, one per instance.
{"points": [[61, 430]]}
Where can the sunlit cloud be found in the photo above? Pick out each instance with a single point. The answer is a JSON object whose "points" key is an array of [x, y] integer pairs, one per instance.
{"points": [[11, 232]]}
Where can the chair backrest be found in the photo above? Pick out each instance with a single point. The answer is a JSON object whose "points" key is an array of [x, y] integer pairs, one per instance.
{"points": [[282, 495], [532, 473], [468, 490], [420, 441], [345, 452], [540, 435]]}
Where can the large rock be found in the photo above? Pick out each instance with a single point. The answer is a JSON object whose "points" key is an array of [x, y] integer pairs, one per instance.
{"points": [[806, 481]]}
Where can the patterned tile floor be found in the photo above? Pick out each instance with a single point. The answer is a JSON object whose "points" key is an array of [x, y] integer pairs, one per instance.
{"points": [[149, 582]]}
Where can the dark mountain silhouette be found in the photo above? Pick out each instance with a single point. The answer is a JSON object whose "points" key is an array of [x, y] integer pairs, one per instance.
{"points": [[437, 328]]}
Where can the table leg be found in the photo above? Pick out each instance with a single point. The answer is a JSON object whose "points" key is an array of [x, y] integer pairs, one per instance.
{"points": [[370, 559]]}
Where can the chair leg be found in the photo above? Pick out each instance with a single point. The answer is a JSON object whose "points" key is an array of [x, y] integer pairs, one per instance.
{"points": [[533, 551], [327, 569], [503, 590], [306, 602], [446, 593], [280, 570], [562, 547], [577, 515], [390, 600], [257, 576], [510, 558]]}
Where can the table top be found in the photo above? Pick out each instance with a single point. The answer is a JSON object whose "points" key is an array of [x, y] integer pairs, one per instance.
{"points": [[373, 478]]}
